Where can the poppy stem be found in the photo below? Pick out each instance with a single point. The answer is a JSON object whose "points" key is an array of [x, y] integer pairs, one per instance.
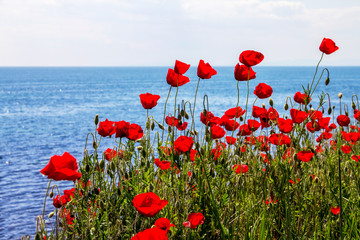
{"points": [[46, 194], [193, 113], [247, 96], [162, 136], [317, 67], [341, 233]]}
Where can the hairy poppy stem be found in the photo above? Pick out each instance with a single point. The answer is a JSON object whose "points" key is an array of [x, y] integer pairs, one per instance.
{"points": [[193, 113], [317, 67], [46, 194], [341, 233], [162, 136]]}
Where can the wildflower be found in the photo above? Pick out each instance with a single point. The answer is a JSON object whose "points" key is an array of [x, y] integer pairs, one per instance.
{"points": [[251, 58], [148, 100], [205, 71], [263, 90], [194, 219], [106, 128], [181, 67], [62, 168], [328, 46], [148, 204], [244, 73]]}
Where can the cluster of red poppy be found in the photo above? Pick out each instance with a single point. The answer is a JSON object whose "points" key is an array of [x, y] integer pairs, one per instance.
{"points": [[121, 129]]}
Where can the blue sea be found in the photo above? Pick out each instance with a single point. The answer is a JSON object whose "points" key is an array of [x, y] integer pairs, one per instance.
{"points": [[49, 110]]}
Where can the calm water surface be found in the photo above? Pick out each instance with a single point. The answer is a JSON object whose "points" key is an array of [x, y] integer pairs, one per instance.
{"points": [[47, 111]]}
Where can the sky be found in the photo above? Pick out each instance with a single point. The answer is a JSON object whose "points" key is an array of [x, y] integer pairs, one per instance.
{"points": [[157, 32]]}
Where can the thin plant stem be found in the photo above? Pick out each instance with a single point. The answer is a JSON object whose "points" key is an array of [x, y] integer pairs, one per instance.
{"points": [[317, 67], [46, 194], [162, 136], [193, 113]]}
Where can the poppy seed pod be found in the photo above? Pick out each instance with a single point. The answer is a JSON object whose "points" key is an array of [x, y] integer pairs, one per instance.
{"points": [[340, 95], [96, 120], [327, 81]]}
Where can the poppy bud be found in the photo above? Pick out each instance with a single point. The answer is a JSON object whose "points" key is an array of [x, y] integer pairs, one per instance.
{"points": [[169, 129], [102, 163], [327, 81], [51, 215], [96, 120], [196, 132], [139, 148], [152, 126], [353, 105], [51, 194], [329, 111], [94, 145], [241, 118], [202, 151], [179, 116], [186, 115], [286, 106], [263, 105], [161, 126], [346, 113], [316, 179], [340, 95], [182, 112], [112, 165], [204, 112], [271, 102]]}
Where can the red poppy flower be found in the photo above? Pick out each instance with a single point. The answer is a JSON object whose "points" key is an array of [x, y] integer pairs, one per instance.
{"points": [[315, 115], [194, 219], [244, 73], [164, 165], [171, 121], [301, 98], [285, 125], [183, 144], [258, 112], [244, 130], [148, 100], [151, 234], [346, 149], [357, 114], [111, 153], [62, 168], [313, 126], [164, 224], [135, 132], [271, 200], [193, 154], [355, 158], [217, 132], [263, 90], [231, 125], [328, 46], [305, 156], [272, 114], [251, 58], [106, 128], [148, 204], [240, 168], [253, 125], [182, 127], [230, 140], [336, 210], [65, 213], [57, 202], [232, 112], [324, 122], [324, 135], [217, 151], [298, 116], [181, 67], [121, 129], [176, 80], [205, 71], [343, 120], [279, 139]]}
